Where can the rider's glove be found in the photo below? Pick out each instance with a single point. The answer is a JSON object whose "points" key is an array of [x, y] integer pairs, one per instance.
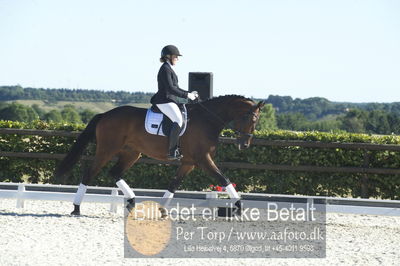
{"points": [[193, 95]]}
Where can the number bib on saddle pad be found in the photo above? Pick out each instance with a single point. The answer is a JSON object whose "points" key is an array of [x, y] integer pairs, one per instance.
{"points": [[157, 123]]}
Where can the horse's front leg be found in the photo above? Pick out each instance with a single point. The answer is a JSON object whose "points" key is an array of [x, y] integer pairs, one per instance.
{"points": [[208, 165], [183, 170]]}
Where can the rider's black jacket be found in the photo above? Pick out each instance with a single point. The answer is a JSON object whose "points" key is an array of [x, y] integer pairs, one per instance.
{"points": [[168, 88]]}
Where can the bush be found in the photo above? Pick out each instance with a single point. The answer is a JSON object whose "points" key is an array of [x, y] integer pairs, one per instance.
{"points": [[159, 176]]}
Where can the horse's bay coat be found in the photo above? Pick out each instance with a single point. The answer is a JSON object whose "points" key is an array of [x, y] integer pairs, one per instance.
{"points": [[121, 133]]}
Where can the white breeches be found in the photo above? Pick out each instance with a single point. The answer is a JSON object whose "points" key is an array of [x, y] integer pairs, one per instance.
{"points": [[172, 111]]}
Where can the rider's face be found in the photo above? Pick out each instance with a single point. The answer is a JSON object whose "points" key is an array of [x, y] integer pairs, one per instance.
{"points": [[174, 60]]}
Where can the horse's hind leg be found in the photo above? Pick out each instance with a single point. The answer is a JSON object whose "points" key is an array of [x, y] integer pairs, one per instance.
{"points": [[100, 160], [126, 158], [183, 170]]}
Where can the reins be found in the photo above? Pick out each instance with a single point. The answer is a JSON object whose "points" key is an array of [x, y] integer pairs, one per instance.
{"points": [[212, 113], [223, 122]]}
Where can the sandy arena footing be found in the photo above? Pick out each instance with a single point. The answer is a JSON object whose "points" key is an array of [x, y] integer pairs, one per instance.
{"points": [[43, 233]]}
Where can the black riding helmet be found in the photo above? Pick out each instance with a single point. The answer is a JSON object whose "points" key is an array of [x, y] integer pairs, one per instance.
{"points": [[170, 50]]}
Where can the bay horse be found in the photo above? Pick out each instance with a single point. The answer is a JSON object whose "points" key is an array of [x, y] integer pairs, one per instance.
{"points": [[121, 133]]}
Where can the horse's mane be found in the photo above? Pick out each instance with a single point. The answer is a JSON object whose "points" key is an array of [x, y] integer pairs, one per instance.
{"points": [[225, 98], [214, 103], [219, 100]]}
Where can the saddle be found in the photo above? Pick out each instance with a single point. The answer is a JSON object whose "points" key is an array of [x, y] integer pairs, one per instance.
{"points": [[156, 123]]}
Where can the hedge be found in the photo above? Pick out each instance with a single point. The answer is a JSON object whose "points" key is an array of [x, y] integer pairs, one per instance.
{"points": [[283, 182]]}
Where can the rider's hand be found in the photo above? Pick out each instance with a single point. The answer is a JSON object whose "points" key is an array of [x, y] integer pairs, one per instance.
{"points": [[193, 95]]}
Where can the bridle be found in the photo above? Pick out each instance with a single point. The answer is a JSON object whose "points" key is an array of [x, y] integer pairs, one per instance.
{"points": [[238, 133], [249, 115]]}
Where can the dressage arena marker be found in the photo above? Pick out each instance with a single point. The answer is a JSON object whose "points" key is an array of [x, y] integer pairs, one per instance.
{"points": [[22, 192]]}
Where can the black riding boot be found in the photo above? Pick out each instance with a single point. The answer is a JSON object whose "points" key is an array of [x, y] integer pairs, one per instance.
{"points": [[173, 151]]}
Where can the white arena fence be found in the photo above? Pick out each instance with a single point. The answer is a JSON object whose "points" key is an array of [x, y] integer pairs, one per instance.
{"points": [[22, 192]]}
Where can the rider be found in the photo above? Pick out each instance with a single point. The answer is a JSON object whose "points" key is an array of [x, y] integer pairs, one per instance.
{"points": [[165, 98]]}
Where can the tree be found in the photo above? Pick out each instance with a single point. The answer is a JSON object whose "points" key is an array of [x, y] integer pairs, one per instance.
{"points": [[54, 116], [3, 105], [11, 93], [69, 114], [38, 110], [354, 121], [291, 121], [87, 115], [394, 122], [378, 122], [18, 112], [267, 118]]}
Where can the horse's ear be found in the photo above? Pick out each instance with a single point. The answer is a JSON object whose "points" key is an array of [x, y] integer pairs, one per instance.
{"points": [[260, 104]]}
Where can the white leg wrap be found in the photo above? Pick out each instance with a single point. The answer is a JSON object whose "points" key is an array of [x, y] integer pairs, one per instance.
{"points": [[79, 194], [232, 192], [123, 186], [168, 196]]}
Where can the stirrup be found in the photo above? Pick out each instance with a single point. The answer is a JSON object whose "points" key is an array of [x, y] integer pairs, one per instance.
{"points": [[174, 155]]}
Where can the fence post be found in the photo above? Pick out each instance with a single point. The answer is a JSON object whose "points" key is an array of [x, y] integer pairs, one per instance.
{"points": [[364, 178], [310, 203], [20, 195], [114, 194], [211, 197]]}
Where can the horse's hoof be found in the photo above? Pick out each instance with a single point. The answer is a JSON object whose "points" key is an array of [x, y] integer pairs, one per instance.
{"points": [[76, 210], [131, 204], [164, 213], [238, 208]]}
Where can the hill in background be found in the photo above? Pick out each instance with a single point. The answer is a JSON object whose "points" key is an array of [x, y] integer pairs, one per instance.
{"points": [[95, 100], [314, 108], [281, 112], [317, 108]]}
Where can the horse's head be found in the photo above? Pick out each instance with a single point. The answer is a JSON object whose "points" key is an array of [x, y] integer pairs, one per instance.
{"points": [[242, 112], [245, 122]]}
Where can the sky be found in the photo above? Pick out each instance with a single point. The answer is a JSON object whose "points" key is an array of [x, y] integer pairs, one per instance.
{"points": [[342, 50]]}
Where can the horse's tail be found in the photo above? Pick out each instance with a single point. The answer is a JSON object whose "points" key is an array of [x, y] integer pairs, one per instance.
{"points": [[77, 149]]}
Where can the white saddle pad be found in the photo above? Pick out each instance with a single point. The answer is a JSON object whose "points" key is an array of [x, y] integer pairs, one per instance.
{"points": [[153, 121]]}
